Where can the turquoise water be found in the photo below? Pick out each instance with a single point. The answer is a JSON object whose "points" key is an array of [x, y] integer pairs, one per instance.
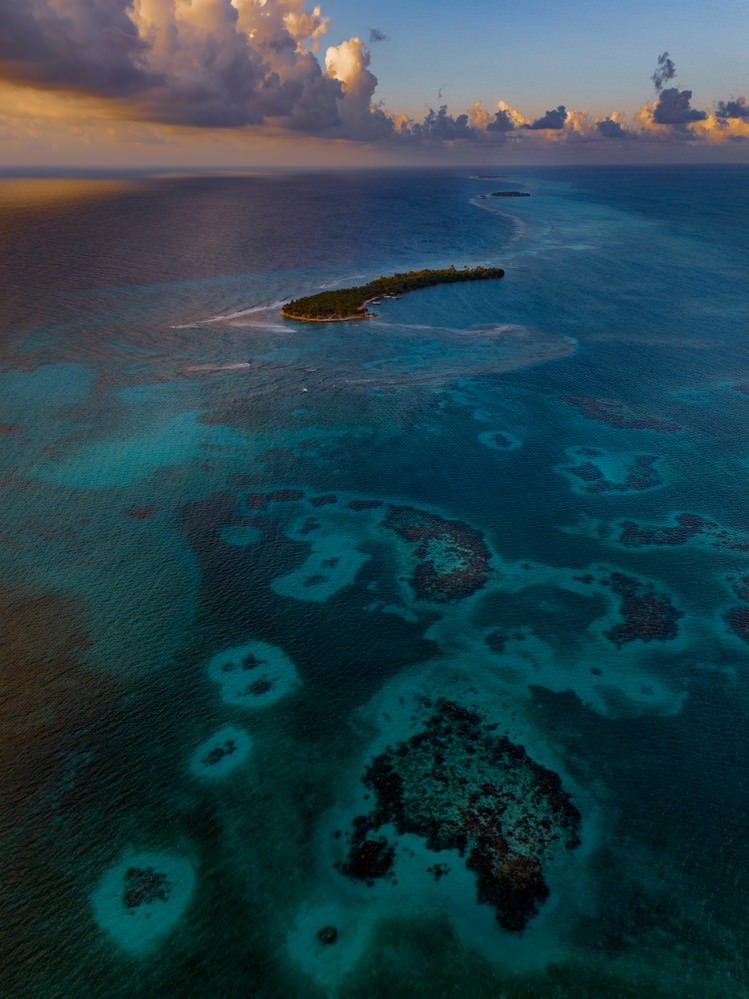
{"points": [[245, 560]]}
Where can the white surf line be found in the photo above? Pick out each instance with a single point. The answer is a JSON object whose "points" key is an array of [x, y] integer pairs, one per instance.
{"points": [[272, 307]]}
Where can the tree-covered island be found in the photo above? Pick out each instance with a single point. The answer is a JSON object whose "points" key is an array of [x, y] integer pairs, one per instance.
{"points": [[350, 303]]}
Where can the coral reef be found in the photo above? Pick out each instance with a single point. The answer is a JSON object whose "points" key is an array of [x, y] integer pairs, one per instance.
{"points": [[688, 525], [217, 753], [327, 934], [647, 614], [325, 500], [141, 512], [639, 475], [260, 501], [462, 787], [737, 618], [616, 414], [452, 559], [144, 885]]}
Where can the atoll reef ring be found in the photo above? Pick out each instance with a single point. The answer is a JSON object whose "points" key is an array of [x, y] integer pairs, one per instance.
{"points": [[142, 897], [253, 675], [221, 753]]}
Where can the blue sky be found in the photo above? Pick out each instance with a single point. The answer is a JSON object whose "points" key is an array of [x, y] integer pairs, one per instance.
{"points": [[538, 54]]}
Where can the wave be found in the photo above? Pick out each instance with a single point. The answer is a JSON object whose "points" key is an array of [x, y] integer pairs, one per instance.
{"points": [[519, 225], [230, 316]]}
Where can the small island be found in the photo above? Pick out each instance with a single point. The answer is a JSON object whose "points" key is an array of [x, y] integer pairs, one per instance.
{"points": [[350, 303], [507, 194]]}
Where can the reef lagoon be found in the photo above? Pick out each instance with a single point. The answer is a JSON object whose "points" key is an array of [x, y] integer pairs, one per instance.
{"points": [[397, 658]]}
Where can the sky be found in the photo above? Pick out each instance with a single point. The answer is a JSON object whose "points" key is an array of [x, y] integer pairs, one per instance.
{"points": [[244, 83]]}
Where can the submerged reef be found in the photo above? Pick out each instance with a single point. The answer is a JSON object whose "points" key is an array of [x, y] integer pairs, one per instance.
{"points": [[144, 885], [223, 752], [142, 897], [499, 440], [688, 525], [737, 618], [638, 474], [461, 786], [616, 414], [646, 614], [253, 675], [350, 303], [452, 559]]}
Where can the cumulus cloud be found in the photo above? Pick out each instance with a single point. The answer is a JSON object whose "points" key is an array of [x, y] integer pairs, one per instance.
{"points": [[736, 108], [87, 47], [502, 122], [612, 128], [674, 108], [205, 63], [348, 64], [439, 126], [553, 119], [241, 65]]}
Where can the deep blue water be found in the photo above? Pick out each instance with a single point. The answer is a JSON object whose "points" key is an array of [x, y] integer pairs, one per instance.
{"points": [[168, 442]]}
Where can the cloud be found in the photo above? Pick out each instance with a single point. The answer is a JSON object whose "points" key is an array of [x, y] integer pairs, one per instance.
{"points": [[91, 48], [674, 108], [502, 122], [736, 108], [441, 126], [665, 71], [205, 63], [348, 64], [254, 67], [612, 128], [554, 119]]}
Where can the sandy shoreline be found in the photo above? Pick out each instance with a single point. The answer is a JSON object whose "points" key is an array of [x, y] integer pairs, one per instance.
{"points": [[330, 319]]}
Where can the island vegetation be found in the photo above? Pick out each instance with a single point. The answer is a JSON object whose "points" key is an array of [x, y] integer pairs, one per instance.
{"points": [[351, 303]]}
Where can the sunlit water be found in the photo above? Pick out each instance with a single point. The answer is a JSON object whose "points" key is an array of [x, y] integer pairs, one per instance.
{"points": [[168, 829]]}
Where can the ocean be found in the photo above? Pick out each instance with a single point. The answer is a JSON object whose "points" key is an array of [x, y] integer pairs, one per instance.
{"points": [[390, 658]]}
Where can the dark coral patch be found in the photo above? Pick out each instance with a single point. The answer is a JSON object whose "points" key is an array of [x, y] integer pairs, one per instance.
{"points": [[640, 474], [646, 614], [141, 512], [688, 525], [452, 559], [616, 414], [461, 787], [364, 504], [257, 501], [144, 885], [286, 495], [737, 619], [260, 501], [219, 752], [323, 500]]}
